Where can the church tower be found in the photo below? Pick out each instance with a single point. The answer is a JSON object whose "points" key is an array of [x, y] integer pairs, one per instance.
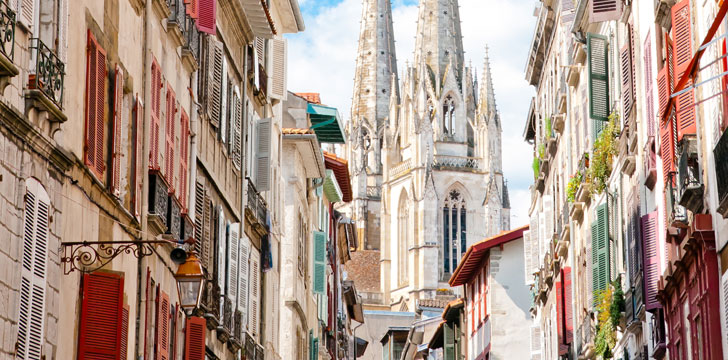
{"points": [[375, 83]]}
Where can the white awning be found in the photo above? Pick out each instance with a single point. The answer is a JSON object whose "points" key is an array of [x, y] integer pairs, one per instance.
{"points": [[258, 17]]}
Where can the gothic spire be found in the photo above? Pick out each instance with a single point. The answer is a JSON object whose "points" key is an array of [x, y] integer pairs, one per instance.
{"points": [[375, 65], [487, 92], [439, 37]]}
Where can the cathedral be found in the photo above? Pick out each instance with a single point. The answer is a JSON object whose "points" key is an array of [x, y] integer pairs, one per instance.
{"points": [[424, 152]]}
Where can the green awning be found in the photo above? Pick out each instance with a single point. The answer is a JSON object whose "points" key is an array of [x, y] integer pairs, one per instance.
{"points": [[331, 187], [326, 122]]}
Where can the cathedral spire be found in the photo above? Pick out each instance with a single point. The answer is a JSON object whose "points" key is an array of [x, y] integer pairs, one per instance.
{"points": [[487, 92], [439, 37], [375, 65]]}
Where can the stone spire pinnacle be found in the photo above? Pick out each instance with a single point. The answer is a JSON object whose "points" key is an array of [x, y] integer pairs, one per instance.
{"points": [[375, 65], [439, 38], [487, 92]]}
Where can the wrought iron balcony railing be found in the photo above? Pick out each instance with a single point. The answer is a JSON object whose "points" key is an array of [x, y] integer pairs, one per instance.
{"points": [[721, 172], [7, 30], [650, 163], [451, 162], [689, 181], [676, 214], [256, 204], [49, 72], [657, 334], [584, 336], [192, 39]]}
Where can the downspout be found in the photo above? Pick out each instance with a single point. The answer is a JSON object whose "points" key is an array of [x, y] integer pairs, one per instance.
{"points": [[576, 26], [147, 78]]}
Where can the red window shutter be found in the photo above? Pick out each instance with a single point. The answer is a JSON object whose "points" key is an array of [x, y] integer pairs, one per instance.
{"points": [[484, 291], [560, 310], [472, 305], [724, 82], [667, 148], [138, 156], [184, 158], [651, 260], [663, 91], [169, 138], [195, 338], [193, 8], [95, 101], [156, 113], [206, 16], [682, 54], [101, 317], [116, 136], [175, 318], [568, 306], [124, 333], [162, 341]]}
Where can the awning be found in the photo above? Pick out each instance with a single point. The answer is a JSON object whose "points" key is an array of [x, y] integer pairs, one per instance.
{"points": [[341, 169], [331, 187], [307, 144], [361, 346], [258, 16], [470, 263], [353, 302], [326, 122]]}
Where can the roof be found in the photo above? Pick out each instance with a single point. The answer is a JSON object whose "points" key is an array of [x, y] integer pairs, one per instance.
{"points": [[314, 98], [452, 306], [363, 269], [476, 253], [327, 123], [296, 131], [341, 170]]}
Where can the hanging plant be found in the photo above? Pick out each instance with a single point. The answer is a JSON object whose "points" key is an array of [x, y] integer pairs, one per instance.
{"points": [[536, 167], [573, 186], [609, 309], [548, 128], [541, 151], [602, 159]]}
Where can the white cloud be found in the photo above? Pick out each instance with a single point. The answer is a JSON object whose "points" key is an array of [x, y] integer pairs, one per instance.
{"points": [[323, 58]]}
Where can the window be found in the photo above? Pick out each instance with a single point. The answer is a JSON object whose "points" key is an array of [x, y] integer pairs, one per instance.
{"points": [[448, 112], [403, 238], [454, 237]]}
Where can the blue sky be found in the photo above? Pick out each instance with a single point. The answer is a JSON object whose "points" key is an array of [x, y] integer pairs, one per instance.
{"points": [[322, 59]]}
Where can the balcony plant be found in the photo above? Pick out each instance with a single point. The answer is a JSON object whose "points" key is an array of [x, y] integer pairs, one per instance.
{"points": [[536, 167], [541, 151], [573, 186], [547, 125], [609, 309], [602, 159]]}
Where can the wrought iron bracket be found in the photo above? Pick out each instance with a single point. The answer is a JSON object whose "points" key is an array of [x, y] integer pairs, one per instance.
{"points": [[89, 256]]}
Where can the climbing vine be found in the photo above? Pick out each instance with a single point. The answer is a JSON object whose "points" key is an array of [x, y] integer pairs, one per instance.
{"points": [[602, 159], [573, 186], [609, 310]]}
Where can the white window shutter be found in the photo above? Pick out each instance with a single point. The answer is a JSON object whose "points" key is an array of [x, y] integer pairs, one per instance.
{"points": [[604, 10], [224, 102], [535, 342], [221, 249], [541, 235], [244, 274], [237, 130], [262, 162], [548, 209], [277, 88], [725, 305], [27, 13], [254, 292], [215, 78], [527, 256], [31, 318], [232, 263], [62, 47]]}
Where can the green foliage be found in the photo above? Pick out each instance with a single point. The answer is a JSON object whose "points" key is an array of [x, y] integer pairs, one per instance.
{"points": [[541, 151], [605, 149], [610, 307], [548, 128], [573, 185], [536, 167]]}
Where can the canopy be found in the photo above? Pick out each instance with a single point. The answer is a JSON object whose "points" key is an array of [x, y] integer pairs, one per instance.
{"points": [[326, 122]]}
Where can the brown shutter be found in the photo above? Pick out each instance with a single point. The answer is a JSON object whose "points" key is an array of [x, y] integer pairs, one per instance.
{"points": [[627, 96], [207, 235], [94, 109], [214, 85], [169, 127], [667, 148], [116, 136], [101, 316], [156, 114], [651, 260], [138, 155], [195, 338], [183, 159], [199, 205], [683, 53], [162, 340]]}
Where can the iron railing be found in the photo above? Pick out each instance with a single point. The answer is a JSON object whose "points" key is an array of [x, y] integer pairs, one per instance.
{"points": [[689, 182], [158, 197], [7, 30], [257, 204], [210, 303], [192, 39], [228, 320], [676, 214], [721, 172], [174, 218], [49, 72], [657, 334], [456, 162]]}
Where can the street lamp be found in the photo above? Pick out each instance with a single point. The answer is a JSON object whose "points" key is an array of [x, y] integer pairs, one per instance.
{"points": [[190, 278]]}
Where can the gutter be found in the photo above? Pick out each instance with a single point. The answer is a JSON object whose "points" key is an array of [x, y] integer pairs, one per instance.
{"points": [[297, 14], [576, 25]]}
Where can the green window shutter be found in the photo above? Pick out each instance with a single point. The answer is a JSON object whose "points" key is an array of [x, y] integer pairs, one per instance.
{"points": [[600, 251], [319, 262], [449, 343], [598, 51]]}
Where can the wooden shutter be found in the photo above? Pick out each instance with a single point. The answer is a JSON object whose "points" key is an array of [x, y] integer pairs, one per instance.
{"points": [[527, 248], [548, 210], [94, 109], [221, 248], [162, 341], [193, 8], [31, 317], [233, 270], [667, 148], [683, 53], [169, 127], [625, 55], [598, 51], [650, 260], [604, 10], [319, 262], [156, 115], [124, 346], [649, 97], [663, 92], [244, 274], [26, 13], [560, 320], [254, 299], [214, 87], [237, 127], [484, 291], [208, 241], [600, 251], [224, 106], [138, 155], [724, 285], [206, 16], [278, 88], [199, 221], [101, 316], [568, 305], [184, 158], [195, 338], [262, 161], [116, 128], [536, 341], [448, 343]]}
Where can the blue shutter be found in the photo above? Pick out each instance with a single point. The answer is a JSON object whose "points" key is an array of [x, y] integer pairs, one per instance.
{"points": [[319, 262]]}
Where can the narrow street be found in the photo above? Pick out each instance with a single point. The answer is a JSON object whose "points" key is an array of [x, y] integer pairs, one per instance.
{"points": [[363, 179]]}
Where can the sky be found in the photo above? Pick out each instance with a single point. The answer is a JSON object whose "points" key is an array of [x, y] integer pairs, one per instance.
{"points": [[323, 58]]}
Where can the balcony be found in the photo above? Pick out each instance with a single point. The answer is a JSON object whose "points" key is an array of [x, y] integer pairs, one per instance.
{"points": [[191, 47], [257, 77], [721, 172], [249, 347], [237, 338], [226, 326], [563, 231], [585, 339], [689, 181], [256, 210], [158, 202], [210, 304], [540, 44], [650, 163], [400, 169], [7, 45], [174, 217], [45, 85], [457, 163], [677, 216], [176, 22], [657, 334]]}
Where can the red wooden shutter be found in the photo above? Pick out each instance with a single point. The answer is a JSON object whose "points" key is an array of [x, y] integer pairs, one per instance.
{"points": [[95, 101], [138, 156], [472, 305], [169, 138], [175, 319], [667, 148], [162, 341], [116, 136], [484, 291], [156, 114], [568, 306], [101, 317], [124, 333], [683, 53], [663, 91], [192, 8], [184, 158], [560, 310], [195, 338], [651, 260], [206, 20]]}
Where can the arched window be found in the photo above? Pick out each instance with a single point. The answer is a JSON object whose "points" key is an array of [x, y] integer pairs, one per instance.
{"points": [[454, 234], [403, 236], [448, 112]]}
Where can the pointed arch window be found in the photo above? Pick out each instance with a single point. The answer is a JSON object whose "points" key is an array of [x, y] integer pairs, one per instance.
{"points": [[448, 113], [454, 235], [403, 239]]}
